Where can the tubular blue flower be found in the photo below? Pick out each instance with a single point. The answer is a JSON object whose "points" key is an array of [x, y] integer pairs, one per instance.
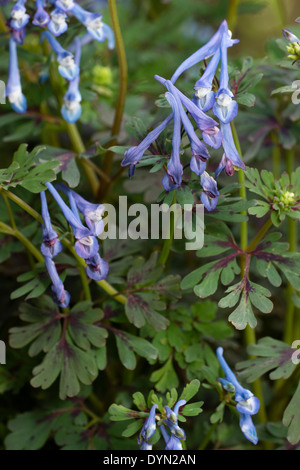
{"points": [[41, 17], [94, 25], [247, 402], [173, 176], [13, 89], [226, 165], [229, 146], [210, 194], [65, 5], [57, 24], [18, 15], [51, 246], [202, 121], [17, 34], [204, 52], [86, 245], [67, 67], [134, 154], [97, 268], [149, 426], [172, 420], [248, 428], [145, 446], [213, 137], [71, 109], [60, 296], [225, 108], [172, 442], [289, 36], [204, 97], [92, 212]]}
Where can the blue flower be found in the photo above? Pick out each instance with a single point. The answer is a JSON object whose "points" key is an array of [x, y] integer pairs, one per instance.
{"points": [[149, 426], [94, 25], [92, 212], [172, 420], [97, 268], [229, 146], [51, 246], [145, 446], [86, 245], [18, 15], [225, 108], [204, 97], [134, 154], [210, 194], [172, 442], [71, 109], [65, 5], [204, 52], [247, 403], [60, 296], [13, 89], [173, 176], [289, 36], [213, 137], [67, 67], [58, 24], [225, 164], [41, 17]]}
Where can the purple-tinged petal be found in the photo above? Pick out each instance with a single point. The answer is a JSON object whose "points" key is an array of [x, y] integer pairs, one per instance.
{"points": [[225, 164], [289, 36], [97, 268], [149, 426], [229, 146], [60, 295], [209, 196], [86, 247], [41, 17], [51, 246], [213, 137]]}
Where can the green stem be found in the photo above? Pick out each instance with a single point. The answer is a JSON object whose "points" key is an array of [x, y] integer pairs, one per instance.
{"points": [[10, 213], [259, 235], [289, 332], [168, 241], [207, 437], [232, 14], [123, 72], [276, 157], [250, 337], [4, 228]]}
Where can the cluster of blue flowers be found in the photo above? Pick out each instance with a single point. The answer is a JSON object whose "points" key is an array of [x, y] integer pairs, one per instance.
{"points": [[172, 440], [86, 245], [56, 22], [247, 404], [224, 108]]}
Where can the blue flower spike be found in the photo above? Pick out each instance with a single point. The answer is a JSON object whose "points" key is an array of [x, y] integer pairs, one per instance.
{"points": [[94, 25], [41, 17], [51, 246], [247, 403], [13, 88], [67, 67]]}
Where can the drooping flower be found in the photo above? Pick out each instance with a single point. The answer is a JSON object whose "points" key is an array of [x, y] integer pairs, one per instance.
{"points": [[172, 420], [57, 24], [213, 137], [289, 36], [65, 5], [247, 403], [229, 146], [94, 25], [60, 295], [41, 17], [149, 427], [204, 97], [210, 194], [173, 176], [134, 154], [92, 212], [18, 16], [71, 109], [225, 164], [86, 245], [172, 442], [97, 268], [13, 89], [51, 246], [67, 67]]}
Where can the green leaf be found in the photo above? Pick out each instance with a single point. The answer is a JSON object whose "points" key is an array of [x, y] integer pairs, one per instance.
{"points": [[190, 390], [165, 378], [291, 418]]}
